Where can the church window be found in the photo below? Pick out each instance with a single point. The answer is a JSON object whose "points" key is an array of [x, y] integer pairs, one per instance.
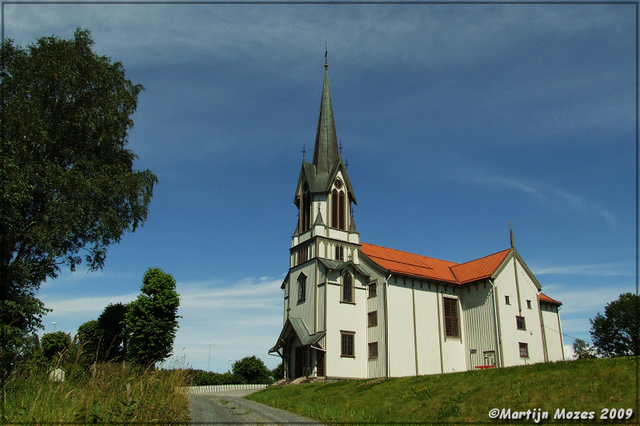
{"points": [[373, 350], [347, 288], [451, 317], [303, 255], [524, 350], [372, 290], [506, 300], [347, 338], [339, 252], [373, 318], [306, 209], [341, 210], [529, 304], [520, 323], [334, 208], [302, 287]]}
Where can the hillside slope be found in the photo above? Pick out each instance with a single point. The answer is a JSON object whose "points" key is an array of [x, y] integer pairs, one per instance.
{"points": [[592, 386]]}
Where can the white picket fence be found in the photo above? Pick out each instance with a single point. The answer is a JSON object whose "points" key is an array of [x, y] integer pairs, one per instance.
{"points": [[221, 388]]}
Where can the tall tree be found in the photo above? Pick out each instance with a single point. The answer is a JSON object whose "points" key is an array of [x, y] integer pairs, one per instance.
{"points": [[112, 322], [152, 319], [67, 182], [91, 339], [617, 332], [251, 370]]}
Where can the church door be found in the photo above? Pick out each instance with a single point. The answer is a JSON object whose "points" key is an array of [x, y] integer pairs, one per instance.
{"points": [[320, 363], [299, 361]]}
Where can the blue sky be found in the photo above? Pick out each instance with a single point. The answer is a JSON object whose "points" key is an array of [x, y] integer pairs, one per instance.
{"points": [[455, 120]]}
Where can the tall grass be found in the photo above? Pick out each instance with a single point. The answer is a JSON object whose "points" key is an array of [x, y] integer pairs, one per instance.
{"points": [[104, 393], [467, 397]]}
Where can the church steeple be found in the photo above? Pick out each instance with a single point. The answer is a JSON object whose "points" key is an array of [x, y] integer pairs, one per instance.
{"points": [[325, 151]]}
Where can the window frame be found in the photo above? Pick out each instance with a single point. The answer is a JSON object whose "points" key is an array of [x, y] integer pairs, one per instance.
{"points": [[372, 319], [373, 291], [506, 300], [524, 346], [521, 323], [302, 287], [348, 344], [529, 304], [451, 321], [373, 350], [347, 278]]}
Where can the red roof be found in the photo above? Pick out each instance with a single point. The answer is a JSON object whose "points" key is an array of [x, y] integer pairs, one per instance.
{"points": [[404, 263], [544, 298]]}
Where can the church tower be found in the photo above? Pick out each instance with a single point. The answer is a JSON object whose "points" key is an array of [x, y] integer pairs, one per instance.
{"points": [[325, 280], [324, 195]]}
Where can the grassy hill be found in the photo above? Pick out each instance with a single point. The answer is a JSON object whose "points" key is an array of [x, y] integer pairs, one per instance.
{"points": [[588, 385]]}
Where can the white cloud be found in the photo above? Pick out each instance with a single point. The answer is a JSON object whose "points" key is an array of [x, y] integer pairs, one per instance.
{"points": [[595, 269], [241, 319]]}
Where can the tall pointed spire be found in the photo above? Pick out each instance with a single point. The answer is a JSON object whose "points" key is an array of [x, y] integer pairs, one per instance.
{"points": [[325, 151], [513, 243]]}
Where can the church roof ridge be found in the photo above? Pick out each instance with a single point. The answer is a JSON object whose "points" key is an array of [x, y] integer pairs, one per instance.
{"points": [[420, 266]]}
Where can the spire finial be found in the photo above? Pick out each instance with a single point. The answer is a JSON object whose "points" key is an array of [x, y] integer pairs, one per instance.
{"points": [[513, 244], [340, 148], [325, 56], [304, 151]]}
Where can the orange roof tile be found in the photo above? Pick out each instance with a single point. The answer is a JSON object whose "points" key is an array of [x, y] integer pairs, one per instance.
{"points": [[402, 262], [415, 265], [480, 268], [544, 298]]}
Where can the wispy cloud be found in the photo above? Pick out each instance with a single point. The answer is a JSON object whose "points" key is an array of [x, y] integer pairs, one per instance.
{"points": [[595, 269], [547, 195]]}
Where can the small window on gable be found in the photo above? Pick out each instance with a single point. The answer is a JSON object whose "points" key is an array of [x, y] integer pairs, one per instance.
{"points": [[347, 288], [524, 350], [372, 290], [520, 323], [373, 318], [506, 300], [302, 287], [529, 304]]}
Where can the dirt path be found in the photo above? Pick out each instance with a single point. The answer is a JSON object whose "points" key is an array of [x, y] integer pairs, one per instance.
{"points": [[229, 408]]}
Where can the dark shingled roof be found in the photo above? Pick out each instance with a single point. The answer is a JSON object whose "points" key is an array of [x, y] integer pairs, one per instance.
{"points": [[325, 151]]}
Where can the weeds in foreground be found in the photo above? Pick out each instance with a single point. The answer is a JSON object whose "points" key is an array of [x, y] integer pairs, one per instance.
{"points": [[105, 393]]}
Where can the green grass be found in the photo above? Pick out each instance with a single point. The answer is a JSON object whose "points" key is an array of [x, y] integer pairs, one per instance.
{"points": [[112, 395], [588, 385]]}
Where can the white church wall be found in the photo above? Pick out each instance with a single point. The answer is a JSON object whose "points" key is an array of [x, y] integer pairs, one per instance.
{"points": [[428, 329], [511, 336], [453, 348], [347, 317], [376, 334], [401, 334], [479, 324], [553, 332]]}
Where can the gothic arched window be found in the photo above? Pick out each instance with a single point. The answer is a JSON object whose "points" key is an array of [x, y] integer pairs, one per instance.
{"points": [[334, 208], [347, 288], [341, 210], [306, 209], [302, 287]]}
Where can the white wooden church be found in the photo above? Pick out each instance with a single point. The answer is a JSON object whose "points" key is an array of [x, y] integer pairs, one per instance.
{"points": [[357, 310]]}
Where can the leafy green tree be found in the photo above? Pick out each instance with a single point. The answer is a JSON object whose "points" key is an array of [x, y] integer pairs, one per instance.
{"points": [[67, 179], [112, 323], [152, 319], [278, 372], [55, 344], [91, 339], [616, 333], [581, 350], [251, 370]]}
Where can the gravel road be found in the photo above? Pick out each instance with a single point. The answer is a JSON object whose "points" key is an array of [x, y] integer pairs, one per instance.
{"points": [[229, 408]]}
